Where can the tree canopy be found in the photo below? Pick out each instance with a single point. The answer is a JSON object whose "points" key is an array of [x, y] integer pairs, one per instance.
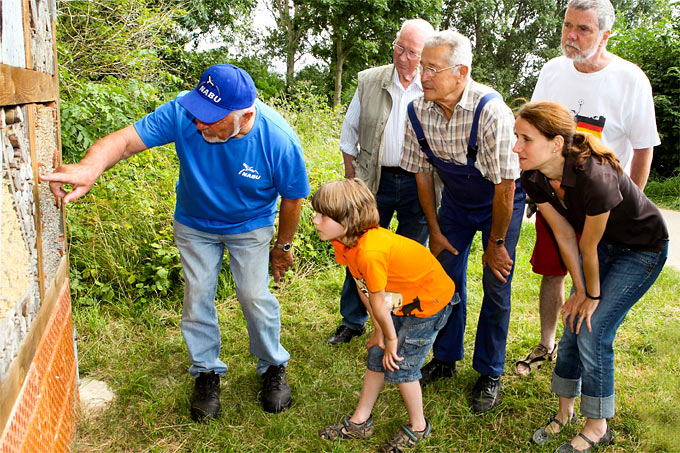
{"points": [[157, 43]]}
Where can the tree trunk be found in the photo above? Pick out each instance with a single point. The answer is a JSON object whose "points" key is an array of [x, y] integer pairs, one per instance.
{"points": [[291, 43], [339, 61]]}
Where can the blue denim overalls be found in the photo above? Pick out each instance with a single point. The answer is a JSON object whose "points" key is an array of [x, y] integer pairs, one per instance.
{"points": [[466, 208]]}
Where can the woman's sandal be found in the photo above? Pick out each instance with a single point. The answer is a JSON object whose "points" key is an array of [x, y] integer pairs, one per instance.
{"points": [[605, 440], [348, 430], [406, 438], [542, 436], [535, 359]]}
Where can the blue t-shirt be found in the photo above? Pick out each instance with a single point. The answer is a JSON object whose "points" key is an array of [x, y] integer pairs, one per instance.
{"points": [[232, 187]]}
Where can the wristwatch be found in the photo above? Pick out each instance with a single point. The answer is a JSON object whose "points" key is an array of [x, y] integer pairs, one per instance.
{"points": [[500, 241], [285, 247]]}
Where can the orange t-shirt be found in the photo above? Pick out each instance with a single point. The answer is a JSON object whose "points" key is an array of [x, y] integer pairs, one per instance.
{"points": [[394, 263]]}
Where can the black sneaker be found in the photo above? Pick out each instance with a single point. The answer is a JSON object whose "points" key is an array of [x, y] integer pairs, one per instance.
{"points": [[486, 394], [435, 370], [276, 395], [344, 334], [205, 400]]}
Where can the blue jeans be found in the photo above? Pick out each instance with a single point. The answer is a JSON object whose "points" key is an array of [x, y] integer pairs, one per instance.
{"points": [[585, 362], [415, 338], [395, 193], [201, 254]]}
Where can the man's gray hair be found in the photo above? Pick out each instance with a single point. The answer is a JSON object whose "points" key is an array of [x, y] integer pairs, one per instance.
{"points": [[238, 114], [603, 8], [421, 25], [459, 45]]}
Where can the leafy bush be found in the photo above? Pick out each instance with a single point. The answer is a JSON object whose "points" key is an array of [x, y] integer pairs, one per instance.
{"points": [[665, 193], [318, 126], [91, 110], [120, 234], [655, 47]]}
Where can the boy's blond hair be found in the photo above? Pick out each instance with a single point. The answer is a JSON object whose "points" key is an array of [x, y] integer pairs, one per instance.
{"points": [[350, 203]]}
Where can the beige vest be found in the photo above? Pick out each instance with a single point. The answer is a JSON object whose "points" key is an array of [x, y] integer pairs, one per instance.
{"points": [[376, 105]]}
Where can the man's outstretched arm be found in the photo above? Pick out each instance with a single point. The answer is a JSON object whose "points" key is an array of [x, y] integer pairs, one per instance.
{"points": [[102, 155]]}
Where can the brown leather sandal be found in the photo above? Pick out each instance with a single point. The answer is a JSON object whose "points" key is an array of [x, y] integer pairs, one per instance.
{"points": [[348, 430], [535, 359]]}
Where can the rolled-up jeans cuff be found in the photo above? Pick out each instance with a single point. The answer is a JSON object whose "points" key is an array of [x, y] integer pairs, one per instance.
{"points": [[597, 406], [566, 388]]}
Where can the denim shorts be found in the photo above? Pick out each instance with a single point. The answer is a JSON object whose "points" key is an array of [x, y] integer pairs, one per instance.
{"points": [[415, 339]]}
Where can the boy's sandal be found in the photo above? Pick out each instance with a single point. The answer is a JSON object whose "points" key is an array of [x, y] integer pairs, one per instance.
{"points": [[542, 436], [406, 438], [605, 440], [348, 430], [535, 359]]}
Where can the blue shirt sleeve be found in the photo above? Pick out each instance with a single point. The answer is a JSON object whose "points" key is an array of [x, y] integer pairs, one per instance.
{"points": [[160, 126], [290, 174]]}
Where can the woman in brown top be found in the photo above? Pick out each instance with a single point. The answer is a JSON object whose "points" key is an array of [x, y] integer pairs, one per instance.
{"points": [[581, 189]]}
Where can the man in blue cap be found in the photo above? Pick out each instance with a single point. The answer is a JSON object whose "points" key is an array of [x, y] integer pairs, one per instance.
{"points": [[236, 157]]}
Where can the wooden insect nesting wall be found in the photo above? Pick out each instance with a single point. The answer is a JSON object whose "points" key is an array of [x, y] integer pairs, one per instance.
{"points": [[38, 370]]}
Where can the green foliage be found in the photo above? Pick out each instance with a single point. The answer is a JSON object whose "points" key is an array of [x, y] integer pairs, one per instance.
{"points": [[665, 193], [120, 234], [90, 110], [655, 47], [219, 19], [511, 39], [118, 38], [318, 127], [361, 32]]}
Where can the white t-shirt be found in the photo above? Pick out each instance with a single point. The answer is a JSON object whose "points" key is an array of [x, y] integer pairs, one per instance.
{"points": [[614, 103]]}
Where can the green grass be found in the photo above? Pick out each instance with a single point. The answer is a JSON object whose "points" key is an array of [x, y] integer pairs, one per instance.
{"points": [[141, 354], [129, 336]]}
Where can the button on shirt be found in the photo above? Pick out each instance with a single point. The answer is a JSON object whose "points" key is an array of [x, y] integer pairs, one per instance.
{"points": [[394, 129], [448, 138]]}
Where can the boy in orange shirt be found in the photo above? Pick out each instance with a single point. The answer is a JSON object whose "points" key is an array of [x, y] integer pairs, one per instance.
{"points": [[407, 294]]}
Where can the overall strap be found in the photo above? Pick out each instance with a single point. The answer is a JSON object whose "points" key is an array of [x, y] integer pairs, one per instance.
{"points": [[472, 141], [418, 129]]}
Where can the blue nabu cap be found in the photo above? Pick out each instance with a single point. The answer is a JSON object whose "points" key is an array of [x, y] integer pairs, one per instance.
{"points": [[222, 89]]}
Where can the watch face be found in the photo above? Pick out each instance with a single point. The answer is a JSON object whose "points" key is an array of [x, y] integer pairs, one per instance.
{"points": [[500, 241], [287, 247]]}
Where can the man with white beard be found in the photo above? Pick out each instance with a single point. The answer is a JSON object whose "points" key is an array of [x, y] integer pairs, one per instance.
{"points": [[237, 157], [610, 98]]}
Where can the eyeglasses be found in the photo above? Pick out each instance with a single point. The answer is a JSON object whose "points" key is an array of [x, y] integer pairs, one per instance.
{"points": [[411, 55], [431, 72]]}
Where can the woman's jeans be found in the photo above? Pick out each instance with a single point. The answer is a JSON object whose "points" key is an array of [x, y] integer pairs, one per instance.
{"points": [[201, 254], [585, 362]]}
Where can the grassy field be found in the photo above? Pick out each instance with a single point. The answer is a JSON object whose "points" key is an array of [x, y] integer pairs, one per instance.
{"points": [[127, 305]]}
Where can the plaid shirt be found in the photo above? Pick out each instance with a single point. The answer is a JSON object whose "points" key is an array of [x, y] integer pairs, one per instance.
{"points": [[448, 138]]}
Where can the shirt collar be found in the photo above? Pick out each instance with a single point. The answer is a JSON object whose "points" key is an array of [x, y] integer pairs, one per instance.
{"points": [[397, 83], [568, 173]]}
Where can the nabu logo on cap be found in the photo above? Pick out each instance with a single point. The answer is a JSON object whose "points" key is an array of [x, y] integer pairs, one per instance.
{"points": [[209, 94]]}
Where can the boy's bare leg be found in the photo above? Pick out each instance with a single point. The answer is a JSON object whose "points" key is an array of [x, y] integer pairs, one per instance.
{"points": [[412, 395], [373, 384], [551, 300]]}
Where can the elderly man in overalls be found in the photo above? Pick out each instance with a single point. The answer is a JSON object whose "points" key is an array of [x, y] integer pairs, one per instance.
{"points": [[464, 130]]}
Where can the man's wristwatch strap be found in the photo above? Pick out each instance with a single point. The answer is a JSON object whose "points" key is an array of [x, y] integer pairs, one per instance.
{"points": [[285, 247]]}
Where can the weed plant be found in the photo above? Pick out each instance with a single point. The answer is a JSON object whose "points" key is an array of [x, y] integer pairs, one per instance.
{"points": [[127, 290]]}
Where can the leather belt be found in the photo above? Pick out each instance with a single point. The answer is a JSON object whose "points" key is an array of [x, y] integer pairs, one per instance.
{"points": [[396, 171]]}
